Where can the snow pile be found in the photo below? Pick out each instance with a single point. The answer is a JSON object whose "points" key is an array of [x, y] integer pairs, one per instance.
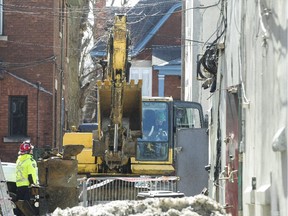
{"points": [[197, 205]]}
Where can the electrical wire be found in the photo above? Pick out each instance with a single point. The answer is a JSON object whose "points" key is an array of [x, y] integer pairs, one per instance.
{"points": [[102, 9], [209, 59], [15, 66], [223, 21], [8, 8]]}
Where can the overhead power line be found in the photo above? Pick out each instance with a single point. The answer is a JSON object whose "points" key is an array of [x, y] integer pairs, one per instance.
{"points": [[50, 11], [15, 66], [39, 10]]}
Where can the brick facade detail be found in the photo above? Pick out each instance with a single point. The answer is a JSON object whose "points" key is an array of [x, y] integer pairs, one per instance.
{"points": [[31, 66], [39, 124]]}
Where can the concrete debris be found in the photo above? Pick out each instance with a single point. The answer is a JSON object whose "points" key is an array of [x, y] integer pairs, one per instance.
{"points": [[194, 206]]}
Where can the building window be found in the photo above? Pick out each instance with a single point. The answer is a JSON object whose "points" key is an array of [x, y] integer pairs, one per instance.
{"points": [[1, 17], [18, 116]]}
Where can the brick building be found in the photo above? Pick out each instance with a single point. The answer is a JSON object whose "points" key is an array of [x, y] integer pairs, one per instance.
{"points": [[155, 29], [32, 70]]}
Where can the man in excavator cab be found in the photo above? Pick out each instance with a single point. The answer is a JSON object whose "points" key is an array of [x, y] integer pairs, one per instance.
{"points": [[155, 125], [161, 126], [155, 128]]}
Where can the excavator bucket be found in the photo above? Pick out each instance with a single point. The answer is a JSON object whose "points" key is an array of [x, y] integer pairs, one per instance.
{"points": [[132, 105], [71, 150], [58, 180], [119, 103]]}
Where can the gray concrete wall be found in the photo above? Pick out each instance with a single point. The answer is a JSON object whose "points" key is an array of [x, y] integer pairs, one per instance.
{"points": [[255, 59], [265, 76], [199, 31]]}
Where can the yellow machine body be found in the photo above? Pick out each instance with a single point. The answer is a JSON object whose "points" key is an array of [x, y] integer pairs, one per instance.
{"points": [[86, 162], [119, 104], [119, 145]]}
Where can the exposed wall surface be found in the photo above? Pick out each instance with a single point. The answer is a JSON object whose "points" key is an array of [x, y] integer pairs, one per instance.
{"points": [[265, 79], [252, 66], [201, 27], [33, 55], [30, 45], [39, 125]]}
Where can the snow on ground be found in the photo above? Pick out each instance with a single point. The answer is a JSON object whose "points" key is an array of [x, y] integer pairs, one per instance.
{"points": [[186, 206]]}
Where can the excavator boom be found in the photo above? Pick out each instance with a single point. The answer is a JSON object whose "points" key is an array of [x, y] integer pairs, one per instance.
{"points": [[119, 103]]}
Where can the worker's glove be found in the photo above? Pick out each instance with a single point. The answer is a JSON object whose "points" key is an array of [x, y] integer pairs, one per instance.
{"points": [[162, 134], [34, 186]]}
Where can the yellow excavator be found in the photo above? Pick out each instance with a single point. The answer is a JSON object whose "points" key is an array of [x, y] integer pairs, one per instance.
{"points": [[119, 111], [129, 138], [119, 104], [134, 136]]}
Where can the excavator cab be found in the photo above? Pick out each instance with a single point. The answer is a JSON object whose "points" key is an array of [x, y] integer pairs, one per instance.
{"points": [[161, 118], [154, 144], [135, 134]]}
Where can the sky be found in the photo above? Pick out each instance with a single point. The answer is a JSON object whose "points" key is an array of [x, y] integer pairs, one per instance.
{"points": [[185, 206]]}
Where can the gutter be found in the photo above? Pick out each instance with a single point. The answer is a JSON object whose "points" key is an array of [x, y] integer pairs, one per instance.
{"points": [[29, 83]]}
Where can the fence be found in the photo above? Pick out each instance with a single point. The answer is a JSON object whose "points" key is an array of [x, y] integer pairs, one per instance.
{"points": [[104, 189]]}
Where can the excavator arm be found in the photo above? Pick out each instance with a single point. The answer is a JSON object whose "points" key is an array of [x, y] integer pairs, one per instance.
{"points": [[119, 104]]}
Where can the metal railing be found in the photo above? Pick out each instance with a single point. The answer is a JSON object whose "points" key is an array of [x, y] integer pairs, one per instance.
{"points": [[105, 189]]}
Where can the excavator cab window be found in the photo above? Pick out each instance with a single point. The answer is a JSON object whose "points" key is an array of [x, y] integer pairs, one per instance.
{"points": [[154, 144], [187, 115], [187, 118]]}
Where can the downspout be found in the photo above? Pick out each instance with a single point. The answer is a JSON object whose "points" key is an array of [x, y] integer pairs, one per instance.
{"points": [[183, 49], [241, 132], [241, 111], [38, 91]]}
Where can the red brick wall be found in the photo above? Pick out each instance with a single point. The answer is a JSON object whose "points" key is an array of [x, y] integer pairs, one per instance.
{"points": [[100, 19], [155, 83], [30, 39], [145, 55], [170, 33], [10, 86], [172, 86], [33, 39]]}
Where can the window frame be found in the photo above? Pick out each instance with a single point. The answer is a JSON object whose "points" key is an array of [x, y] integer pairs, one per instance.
{"points": [[159, 147], [23, 119]]}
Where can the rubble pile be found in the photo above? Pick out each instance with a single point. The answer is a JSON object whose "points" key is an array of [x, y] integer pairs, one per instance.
{"points": [[194, 206]]}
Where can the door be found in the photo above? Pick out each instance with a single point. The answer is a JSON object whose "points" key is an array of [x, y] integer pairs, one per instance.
{"points": [[191, 147], [232, 140], [191, 159]]}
